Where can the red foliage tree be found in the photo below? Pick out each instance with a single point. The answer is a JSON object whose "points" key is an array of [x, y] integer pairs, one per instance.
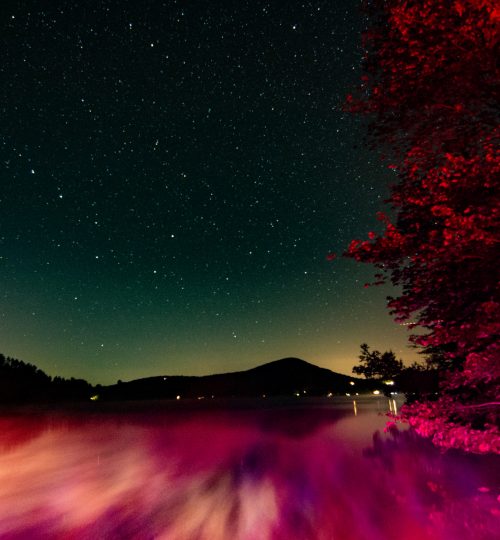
{"points": [[431, 89]]}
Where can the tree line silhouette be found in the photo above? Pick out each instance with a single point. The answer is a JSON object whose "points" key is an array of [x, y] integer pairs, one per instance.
{"points": [[22, 382]]}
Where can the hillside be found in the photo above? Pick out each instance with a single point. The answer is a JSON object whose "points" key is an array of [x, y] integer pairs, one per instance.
{"points": [[287, 376]]}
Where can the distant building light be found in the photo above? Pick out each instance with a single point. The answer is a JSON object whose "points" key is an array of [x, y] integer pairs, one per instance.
{"points": [[352, 383], [389, 383], [348, 395], [94, 397], [297, 394], [329, 395], [178, 397], [376, 392]]}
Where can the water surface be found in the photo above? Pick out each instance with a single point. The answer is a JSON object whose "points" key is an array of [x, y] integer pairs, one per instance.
{"points": [[252, 470]]}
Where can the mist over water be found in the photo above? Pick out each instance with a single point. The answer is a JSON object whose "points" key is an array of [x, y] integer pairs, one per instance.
{"points": [[254, 471]]}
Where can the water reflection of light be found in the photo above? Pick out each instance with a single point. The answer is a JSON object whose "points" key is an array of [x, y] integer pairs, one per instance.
{"points": [[393, 408], [237, 476]]}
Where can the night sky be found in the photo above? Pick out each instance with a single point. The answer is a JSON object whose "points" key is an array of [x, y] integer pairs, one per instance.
{"points": [[173, 176]]}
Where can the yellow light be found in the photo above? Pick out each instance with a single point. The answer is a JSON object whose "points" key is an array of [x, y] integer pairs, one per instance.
{"points": [[352, 383], [376, 392], [94, 397]]}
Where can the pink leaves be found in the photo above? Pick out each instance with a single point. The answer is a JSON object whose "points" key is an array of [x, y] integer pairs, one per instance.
{"points": [[490, 308], [440, 211], [389, 426], [431, 117], [429, 420]]}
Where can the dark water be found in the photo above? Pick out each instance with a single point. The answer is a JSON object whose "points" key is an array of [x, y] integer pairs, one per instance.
{"points": [[248, 470]]}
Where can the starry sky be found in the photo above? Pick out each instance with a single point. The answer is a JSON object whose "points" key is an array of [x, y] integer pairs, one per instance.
{"points": [[173, 176]]}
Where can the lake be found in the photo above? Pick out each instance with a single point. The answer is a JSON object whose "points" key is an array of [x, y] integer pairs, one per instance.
{"points": [[299, 468]]}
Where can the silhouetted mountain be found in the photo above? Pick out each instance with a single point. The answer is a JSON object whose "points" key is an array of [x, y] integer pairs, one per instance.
{"points": [[287, 376], [21, 382]]}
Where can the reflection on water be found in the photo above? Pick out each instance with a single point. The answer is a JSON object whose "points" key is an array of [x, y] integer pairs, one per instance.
{"points": [[252, 472]]}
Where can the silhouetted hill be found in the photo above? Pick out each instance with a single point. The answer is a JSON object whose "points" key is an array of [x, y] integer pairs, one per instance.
{"points": [[21, 382], [287, 376]]}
